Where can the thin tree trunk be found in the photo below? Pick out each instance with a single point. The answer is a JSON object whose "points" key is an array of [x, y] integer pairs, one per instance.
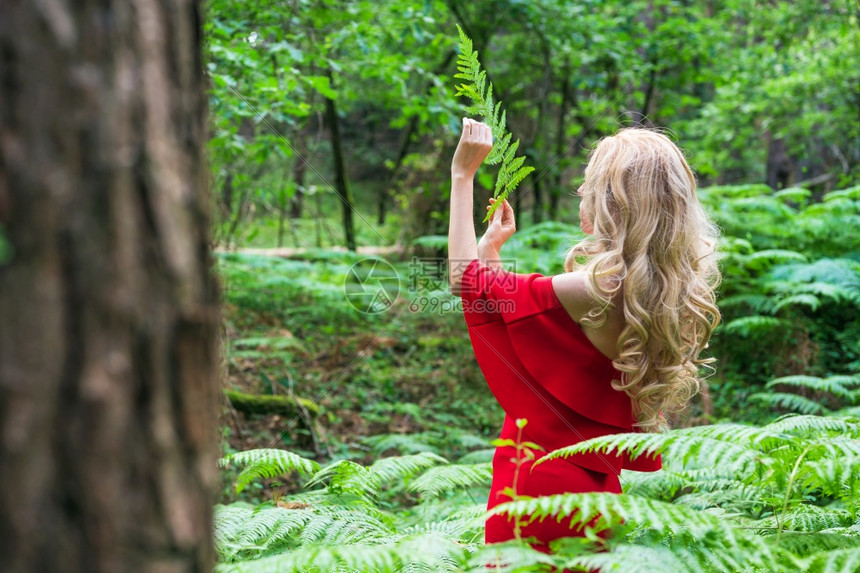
{"points": [[242, 208], [227, 195], [778, 169], [299, 170], [381, 204], [319, 221], [537, 206], [341, 179], [649, 94], [560, 141], [108, 308], [282, 214]]}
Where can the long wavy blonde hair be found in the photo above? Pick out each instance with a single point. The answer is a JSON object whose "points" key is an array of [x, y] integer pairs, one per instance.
{"points": [[652, 250]]}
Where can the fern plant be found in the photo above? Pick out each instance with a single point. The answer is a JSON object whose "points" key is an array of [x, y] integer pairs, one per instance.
{"points": [[480, 92], [783, 496], [346, 519], [840, 389], [791, 292], [266, 463]]}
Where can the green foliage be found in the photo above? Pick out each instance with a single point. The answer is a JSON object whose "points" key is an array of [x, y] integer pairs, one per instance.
{"points": [[785, 490], [480, 91], [815, 393], [447, 478], [744, 87], [740, 84], [296, 291], [348, 522], [790, 298], [267, 463], [731, 497]]}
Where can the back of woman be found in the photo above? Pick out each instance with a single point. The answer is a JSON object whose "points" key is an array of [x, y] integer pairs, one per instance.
{"points": [[613, 344]]}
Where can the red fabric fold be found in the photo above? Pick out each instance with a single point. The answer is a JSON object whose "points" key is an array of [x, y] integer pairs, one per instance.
{"points": [[541, 366]]}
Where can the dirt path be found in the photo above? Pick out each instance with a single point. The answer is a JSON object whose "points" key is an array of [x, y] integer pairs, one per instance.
{"points": [[286, 252]]}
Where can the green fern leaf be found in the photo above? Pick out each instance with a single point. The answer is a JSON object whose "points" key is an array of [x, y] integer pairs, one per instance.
{"points": [[438, 480], [850, 193], [834, 561], [267, 463], [788, 401], [639, 559], [667, 519], [807, 544], [754, 325], [808, 518], [404, 443], [836, 447], [835, 477], [240, 529], [793, 194], [348, 477], [692, 446], [810, 300], [758, 303], [814, 426], [431, 552], [480, 92], [662, 485], [395, 468], [837, 385], [481, 456], [509, 556]]}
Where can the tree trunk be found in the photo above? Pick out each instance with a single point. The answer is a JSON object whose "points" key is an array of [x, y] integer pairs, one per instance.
{"points": [[778, 174], [644, 120], [381, 204], [537, 205], [108, 307], [560, 143], [227, 196], [299, 170], [341, 180], [282, 213]]}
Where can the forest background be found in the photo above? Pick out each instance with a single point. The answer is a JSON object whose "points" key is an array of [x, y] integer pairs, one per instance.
{"points": [[334, 124], [223, 234]]}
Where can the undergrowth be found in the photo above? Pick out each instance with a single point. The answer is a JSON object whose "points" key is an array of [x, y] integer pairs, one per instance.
{"points": [[730, 497]]}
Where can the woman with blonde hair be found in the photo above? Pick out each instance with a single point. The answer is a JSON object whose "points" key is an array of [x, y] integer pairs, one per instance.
{"points": [[607, 347]]}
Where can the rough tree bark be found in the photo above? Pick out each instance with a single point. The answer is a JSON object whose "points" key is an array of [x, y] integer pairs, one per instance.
{"points": [[108, 308]]}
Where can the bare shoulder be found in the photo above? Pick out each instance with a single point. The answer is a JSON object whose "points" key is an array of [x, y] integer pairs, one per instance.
{"points": [[572, 291]]}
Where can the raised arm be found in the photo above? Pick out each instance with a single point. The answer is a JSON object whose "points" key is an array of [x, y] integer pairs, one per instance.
{"points": [[476, 142]]}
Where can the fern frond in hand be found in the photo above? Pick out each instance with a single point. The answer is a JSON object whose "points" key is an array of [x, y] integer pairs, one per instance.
{"points": [[480, 91]]}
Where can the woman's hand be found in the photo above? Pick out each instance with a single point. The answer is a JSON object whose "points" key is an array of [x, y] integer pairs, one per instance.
{"points": [[476, 142], [500, 229]]}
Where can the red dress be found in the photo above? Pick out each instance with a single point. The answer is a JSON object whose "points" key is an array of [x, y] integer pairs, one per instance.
{"points": [[540, 366]]}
